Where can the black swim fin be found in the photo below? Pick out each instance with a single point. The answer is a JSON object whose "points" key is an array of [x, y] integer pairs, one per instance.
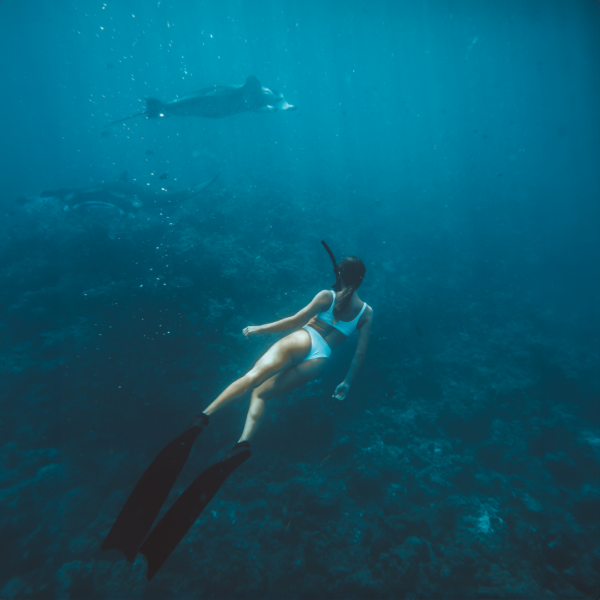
{"points": [[182, 515], [148, 496]]}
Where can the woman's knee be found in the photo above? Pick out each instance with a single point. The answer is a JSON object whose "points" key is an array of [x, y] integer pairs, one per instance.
{"points": [[256, 376], [251, 379]]}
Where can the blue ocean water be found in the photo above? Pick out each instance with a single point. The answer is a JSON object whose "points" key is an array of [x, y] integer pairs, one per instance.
{"points": [[454, 146]]}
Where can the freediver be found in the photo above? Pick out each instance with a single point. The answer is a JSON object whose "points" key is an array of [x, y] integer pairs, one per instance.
{"points": [[289, 363]]}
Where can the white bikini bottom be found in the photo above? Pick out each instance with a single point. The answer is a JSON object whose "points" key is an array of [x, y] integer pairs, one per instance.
{"points": [[319, 348]]}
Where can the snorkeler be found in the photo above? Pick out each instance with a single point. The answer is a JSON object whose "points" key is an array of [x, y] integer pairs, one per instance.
{"points": [[288, 364]]}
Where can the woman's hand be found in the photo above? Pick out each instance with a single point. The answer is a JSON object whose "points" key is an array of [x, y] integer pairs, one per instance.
{"points": [[341, 391], [251, 330]]}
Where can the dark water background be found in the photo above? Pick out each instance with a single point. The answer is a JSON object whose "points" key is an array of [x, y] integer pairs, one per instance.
{"points": [[454, 147]]}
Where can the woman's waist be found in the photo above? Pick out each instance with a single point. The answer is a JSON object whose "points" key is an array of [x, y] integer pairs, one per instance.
{"points": [[332, 336]]}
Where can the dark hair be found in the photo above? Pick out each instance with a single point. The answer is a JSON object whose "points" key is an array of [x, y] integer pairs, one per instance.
{"points": [[352, 271]]}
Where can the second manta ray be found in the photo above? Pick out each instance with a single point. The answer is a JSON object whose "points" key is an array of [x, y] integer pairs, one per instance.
{"points": [[293, 361], [216, 102]]}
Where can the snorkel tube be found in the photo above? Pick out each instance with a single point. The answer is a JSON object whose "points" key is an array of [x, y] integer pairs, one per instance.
{"points": [[337, 286]]}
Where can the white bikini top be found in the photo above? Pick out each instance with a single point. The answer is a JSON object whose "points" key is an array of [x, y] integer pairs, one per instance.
{"points": [[346, 327]]}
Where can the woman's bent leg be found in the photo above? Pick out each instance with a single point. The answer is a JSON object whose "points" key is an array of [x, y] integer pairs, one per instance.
{"points": [[278, 357], [254, 417], [285, 381]]}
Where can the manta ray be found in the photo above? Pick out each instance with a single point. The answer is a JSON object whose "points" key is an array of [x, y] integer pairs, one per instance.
{"points": [[102, 208], [125, 195], [216, 102]]}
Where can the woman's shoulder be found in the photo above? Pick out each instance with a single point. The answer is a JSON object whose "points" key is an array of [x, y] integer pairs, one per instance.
{"points": [[366, 308], [324, 298], [325, 295]]}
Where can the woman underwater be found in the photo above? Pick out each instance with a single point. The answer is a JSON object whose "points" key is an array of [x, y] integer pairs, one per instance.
{"points": [[288, 364]]}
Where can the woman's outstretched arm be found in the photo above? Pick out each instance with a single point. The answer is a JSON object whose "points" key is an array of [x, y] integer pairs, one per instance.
{"points": [[321, 302], [341, 391]]}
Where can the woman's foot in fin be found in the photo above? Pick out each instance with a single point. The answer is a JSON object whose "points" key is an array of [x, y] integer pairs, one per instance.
{"points": [[200, 420], [239, 447]]}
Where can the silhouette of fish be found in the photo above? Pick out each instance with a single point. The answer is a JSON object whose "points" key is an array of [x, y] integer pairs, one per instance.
{"points": [[216, 102], [149, 152], [164, 176]]}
